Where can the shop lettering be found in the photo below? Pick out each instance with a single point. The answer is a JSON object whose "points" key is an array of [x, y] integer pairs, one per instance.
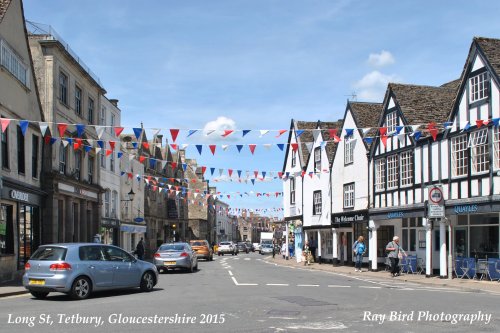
{"points": [[344, 218], [21, 196], [465, 209], [395, 215]]}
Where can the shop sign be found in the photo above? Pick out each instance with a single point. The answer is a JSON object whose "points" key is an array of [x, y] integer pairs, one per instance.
{"points": [[465, 209], [349, 218], [21, 196], [109, 222], [395, 215]]}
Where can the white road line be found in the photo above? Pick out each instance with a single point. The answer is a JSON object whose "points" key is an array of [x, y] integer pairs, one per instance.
{"points": [[277, 284], [368, 287], [247, 259], [230, 273], [337, 286], [234, 280], [248, 284], [308, 285], [284, 318]]}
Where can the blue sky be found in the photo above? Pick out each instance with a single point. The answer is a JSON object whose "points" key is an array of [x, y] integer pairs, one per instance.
{"points": [[257, 64]]}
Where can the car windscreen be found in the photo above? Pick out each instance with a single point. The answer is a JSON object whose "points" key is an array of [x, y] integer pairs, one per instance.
{"points": [[197, 244], [172, 247], [49, 253], [225, 243]]}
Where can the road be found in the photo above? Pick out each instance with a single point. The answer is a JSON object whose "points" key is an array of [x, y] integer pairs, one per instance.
{"points": [[246, 293]]}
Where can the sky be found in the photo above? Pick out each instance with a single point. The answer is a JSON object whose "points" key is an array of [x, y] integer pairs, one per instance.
{"points": [[257, 64]]}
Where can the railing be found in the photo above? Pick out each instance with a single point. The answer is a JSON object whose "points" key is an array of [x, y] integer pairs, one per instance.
{"points": [[40, 29]]}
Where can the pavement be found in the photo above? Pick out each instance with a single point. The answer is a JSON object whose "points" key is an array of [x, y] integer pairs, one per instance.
{"points": [[15, 287], [435, 281]]}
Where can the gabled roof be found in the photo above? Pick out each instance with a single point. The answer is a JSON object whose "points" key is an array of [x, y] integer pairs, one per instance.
{"points": [[421, 105], [4, 4], [331, 147], [366, 115], [306, 137], [491, 49]]}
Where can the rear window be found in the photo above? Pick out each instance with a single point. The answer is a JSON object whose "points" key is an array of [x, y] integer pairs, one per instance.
{"points": [[172, 247], [197, 243], [49, 253], [225, 243]]}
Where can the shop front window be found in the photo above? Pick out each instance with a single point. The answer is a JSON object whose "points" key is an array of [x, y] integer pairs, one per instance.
{"points": [[484, 242], [6, 230], [28, 235]]}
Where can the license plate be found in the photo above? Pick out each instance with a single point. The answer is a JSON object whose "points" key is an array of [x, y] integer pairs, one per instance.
{"points": [[170, 262], [37, 282]]}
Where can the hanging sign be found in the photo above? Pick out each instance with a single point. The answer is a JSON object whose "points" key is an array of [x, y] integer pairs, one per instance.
{"points": [[435, 204]]}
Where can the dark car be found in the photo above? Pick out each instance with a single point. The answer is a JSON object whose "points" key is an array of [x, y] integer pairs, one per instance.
{"points": [[242, 247], [250, 246]]}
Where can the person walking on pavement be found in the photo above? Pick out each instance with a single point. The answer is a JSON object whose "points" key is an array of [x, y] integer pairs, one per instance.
{"points": [[359, 249], [395, 253], [312, 247], [139, 249]]}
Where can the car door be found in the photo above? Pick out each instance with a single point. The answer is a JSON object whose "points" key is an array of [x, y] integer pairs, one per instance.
{"points": [[92, 258], [127, 272]]}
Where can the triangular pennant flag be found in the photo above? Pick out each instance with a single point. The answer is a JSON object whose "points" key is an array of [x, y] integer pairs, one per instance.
{"points": [[212, 170], [100, 143], [137, 132], [227, 132], [200, 148], [145, 145], [134, 144], [263, 174], [253, 181], [191, 132], [62, 129], [224, 147], [466, 126], [142, 159], [174, 132], [281, 146], [479, 123], [239, 148], [99, 130], [252, 148], [309, 146], [212, 148], [384, 139], [299, 133], [209, 132], [414, 127], [130, 157], [383, 131], [267, 146], [87, 148], [398, 129], [174, 165], [256, 173], [118, 131], [112, 144], [447, 125], [108, 152], [332, 132], [280, 133], [98, 150], [174, 146], [152, 163], [349, 131], [365, 130], [53, 140], [69, 140], [263, 132], [239, 173], [120, 154], [295, 146], [43, 128], [417, 135], [433, 130], [24, 126], [203, 169], [221, 171], [184, 166], [402, 138], [230, 172], [368, 140], [245, 132], [80, 129]]}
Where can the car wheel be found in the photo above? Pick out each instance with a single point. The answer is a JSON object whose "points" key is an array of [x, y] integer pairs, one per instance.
{"points": [[81, 288], [147, 282], [39, 294], [196, 267]]}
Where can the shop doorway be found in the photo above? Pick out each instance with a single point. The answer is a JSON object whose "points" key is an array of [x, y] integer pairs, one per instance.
{"points": [[461, 241]]}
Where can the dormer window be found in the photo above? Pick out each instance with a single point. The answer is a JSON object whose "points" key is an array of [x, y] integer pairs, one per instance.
{"points": [[317, 159], [391, 121], [294, 158], [478, 87]]}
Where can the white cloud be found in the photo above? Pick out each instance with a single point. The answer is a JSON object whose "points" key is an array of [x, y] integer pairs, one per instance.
{"points": [[373, 85], [381, 59], [214, 129]]}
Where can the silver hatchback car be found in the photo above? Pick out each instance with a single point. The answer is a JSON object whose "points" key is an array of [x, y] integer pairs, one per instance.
{"points": [[79, 269], [176, 255]]}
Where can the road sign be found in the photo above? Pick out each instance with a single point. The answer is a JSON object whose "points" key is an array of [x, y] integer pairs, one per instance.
{"points": [[435, 204]]}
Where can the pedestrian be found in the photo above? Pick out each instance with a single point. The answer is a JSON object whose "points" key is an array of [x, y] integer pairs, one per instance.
{"points": [[359, 249], [283, 250], [139, 249], [307, 254], [312, 247], [395, 254]]}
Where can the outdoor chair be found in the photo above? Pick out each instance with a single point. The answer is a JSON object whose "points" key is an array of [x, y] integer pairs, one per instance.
{"points": [[497, 268], [420, 266], [482, 269], [468, 268], [494, 269], [459, 273]]}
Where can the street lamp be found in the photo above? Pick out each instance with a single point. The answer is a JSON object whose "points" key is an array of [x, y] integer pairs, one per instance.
{"points": [[131, 195]]}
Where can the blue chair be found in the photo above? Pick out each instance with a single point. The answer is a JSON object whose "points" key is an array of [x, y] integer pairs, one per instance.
{"points": [[494, 269], [469, 268], [459, 273]]}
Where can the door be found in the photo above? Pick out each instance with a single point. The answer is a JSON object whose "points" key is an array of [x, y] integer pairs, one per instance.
{"points": [[99, 270], [126, 270], [461, 241]]}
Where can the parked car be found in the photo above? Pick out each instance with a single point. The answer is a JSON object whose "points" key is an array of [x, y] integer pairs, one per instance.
{"points": [[242, 247], [79, 269], [227, 248], [266, 249], [256, 246], [250, 246], [203, 249], [171, 256]]}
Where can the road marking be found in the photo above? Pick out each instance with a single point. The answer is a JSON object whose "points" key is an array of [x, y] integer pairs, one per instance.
{"points": [[368, 287], [337, 286], [277, 284], [242, 284], [308, 285], [230, 273], [246, 259], [15, 296], [234, 280], [284, 318]]}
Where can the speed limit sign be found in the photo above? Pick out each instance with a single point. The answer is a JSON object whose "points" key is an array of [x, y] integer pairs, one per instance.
{"points": [[435, 206]]}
